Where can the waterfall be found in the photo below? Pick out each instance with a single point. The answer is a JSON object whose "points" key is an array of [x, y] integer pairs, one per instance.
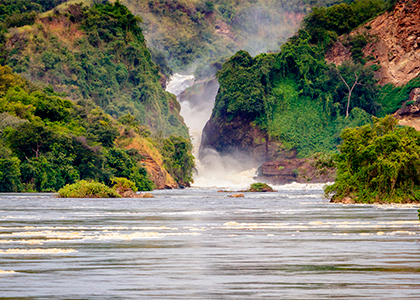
{"points": [[217, 172]]}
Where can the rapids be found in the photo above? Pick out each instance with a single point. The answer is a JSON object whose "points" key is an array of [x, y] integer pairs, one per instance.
{"points": [[198, 243]]}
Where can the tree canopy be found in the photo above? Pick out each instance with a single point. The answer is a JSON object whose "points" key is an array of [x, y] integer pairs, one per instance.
{"points": [[378, 162]]}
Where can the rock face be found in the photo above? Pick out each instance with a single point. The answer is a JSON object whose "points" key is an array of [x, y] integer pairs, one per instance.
{"points": [[158, 175], [294, 170], [152, 162], [409, 115], [201, 95], [241, 140], [395, 44]]}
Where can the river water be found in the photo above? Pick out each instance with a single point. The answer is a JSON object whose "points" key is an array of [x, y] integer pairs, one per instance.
{"points": [[200, 244]]}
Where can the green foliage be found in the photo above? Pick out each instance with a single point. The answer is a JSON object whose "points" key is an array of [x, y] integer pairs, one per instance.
{"points": [[378, 163], [97, 57], [242, 86], [357, 43], [122, 184], [324, 25], [87, 189], [391, 97], [295, 96], [178, 159], [123, 165], [260, 187], [49, 172], [9, 171], [48, 142], [98, 54]]}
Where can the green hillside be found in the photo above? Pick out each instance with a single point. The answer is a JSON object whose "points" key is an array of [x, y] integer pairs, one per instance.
{"points": [[96, 53], [295, 96], [75, 82], [193, 32]]}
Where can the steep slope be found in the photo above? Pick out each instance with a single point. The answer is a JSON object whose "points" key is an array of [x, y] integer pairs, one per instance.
{"points": [[393, 43], [96, 53], [47, 141], [70, 60]]}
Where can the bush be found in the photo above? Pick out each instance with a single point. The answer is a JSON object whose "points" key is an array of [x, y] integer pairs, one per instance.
{"points": [[87, 189], [378, 163], [260, 187], [122, 184]]}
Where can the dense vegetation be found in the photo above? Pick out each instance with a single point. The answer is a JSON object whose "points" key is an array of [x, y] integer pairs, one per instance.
{"points": [[178, 159], [48, 141], [295, 96], [378, 162], [87, 189], [191, 32], [95, 53], [122, 187], [87, 81]]}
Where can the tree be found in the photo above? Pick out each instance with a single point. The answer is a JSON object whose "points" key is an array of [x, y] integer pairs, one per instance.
{"points": [[378, 162], [350, 89], [30, 139], [178, 159], [9, 171], [354, 86]]}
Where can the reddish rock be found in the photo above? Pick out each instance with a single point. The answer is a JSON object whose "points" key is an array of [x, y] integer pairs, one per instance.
{"points": [[237, 195], [395, 44], [295, 170]]}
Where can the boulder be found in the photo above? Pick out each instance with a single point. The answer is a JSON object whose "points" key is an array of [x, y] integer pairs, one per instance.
{"points": [[237, 195]]}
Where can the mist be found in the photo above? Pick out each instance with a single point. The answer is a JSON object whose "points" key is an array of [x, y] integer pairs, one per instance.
{"points": [[197, 100]]}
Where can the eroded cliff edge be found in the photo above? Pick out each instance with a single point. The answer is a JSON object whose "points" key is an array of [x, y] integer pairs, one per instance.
{"points": [[394, 44]]}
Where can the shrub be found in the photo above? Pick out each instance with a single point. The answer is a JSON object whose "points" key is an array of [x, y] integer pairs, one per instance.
{"points": [[260, 187], [122, 184], [87, 189], [378, 163]]}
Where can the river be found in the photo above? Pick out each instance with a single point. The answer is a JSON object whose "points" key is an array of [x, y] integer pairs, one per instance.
{"points": [[198, 243]]}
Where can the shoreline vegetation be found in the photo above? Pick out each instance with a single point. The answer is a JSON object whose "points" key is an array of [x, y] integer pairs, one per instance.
{"points": [[81, 100], [122, 188], [377, 163], [254, 188]]}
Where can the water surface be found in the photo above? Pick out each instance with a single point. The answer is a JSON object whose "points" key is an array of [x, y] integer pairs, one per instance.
{"points": [[200, 244]]}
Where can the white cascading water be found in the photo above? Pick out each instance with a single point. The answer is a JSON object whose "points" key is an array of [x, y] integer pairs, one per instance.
{"points": [[222, 173]]}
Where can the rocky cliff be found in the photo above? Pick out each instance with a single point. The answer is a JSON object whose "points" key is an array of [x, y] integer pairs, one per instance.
{"points": [[394, 44], [152, 161], [283, 171], [243, 141]]}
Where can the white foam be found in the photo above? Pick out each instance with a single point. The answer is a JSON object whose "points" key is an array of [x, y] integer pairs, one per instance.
{"points": [[37, 251], [179, 83], [2, 272], [240, 180]]}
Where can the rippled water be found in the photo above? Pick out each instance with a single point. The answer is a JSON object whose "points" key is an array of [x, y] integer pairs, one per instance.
{"points": [[200, 244]]}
